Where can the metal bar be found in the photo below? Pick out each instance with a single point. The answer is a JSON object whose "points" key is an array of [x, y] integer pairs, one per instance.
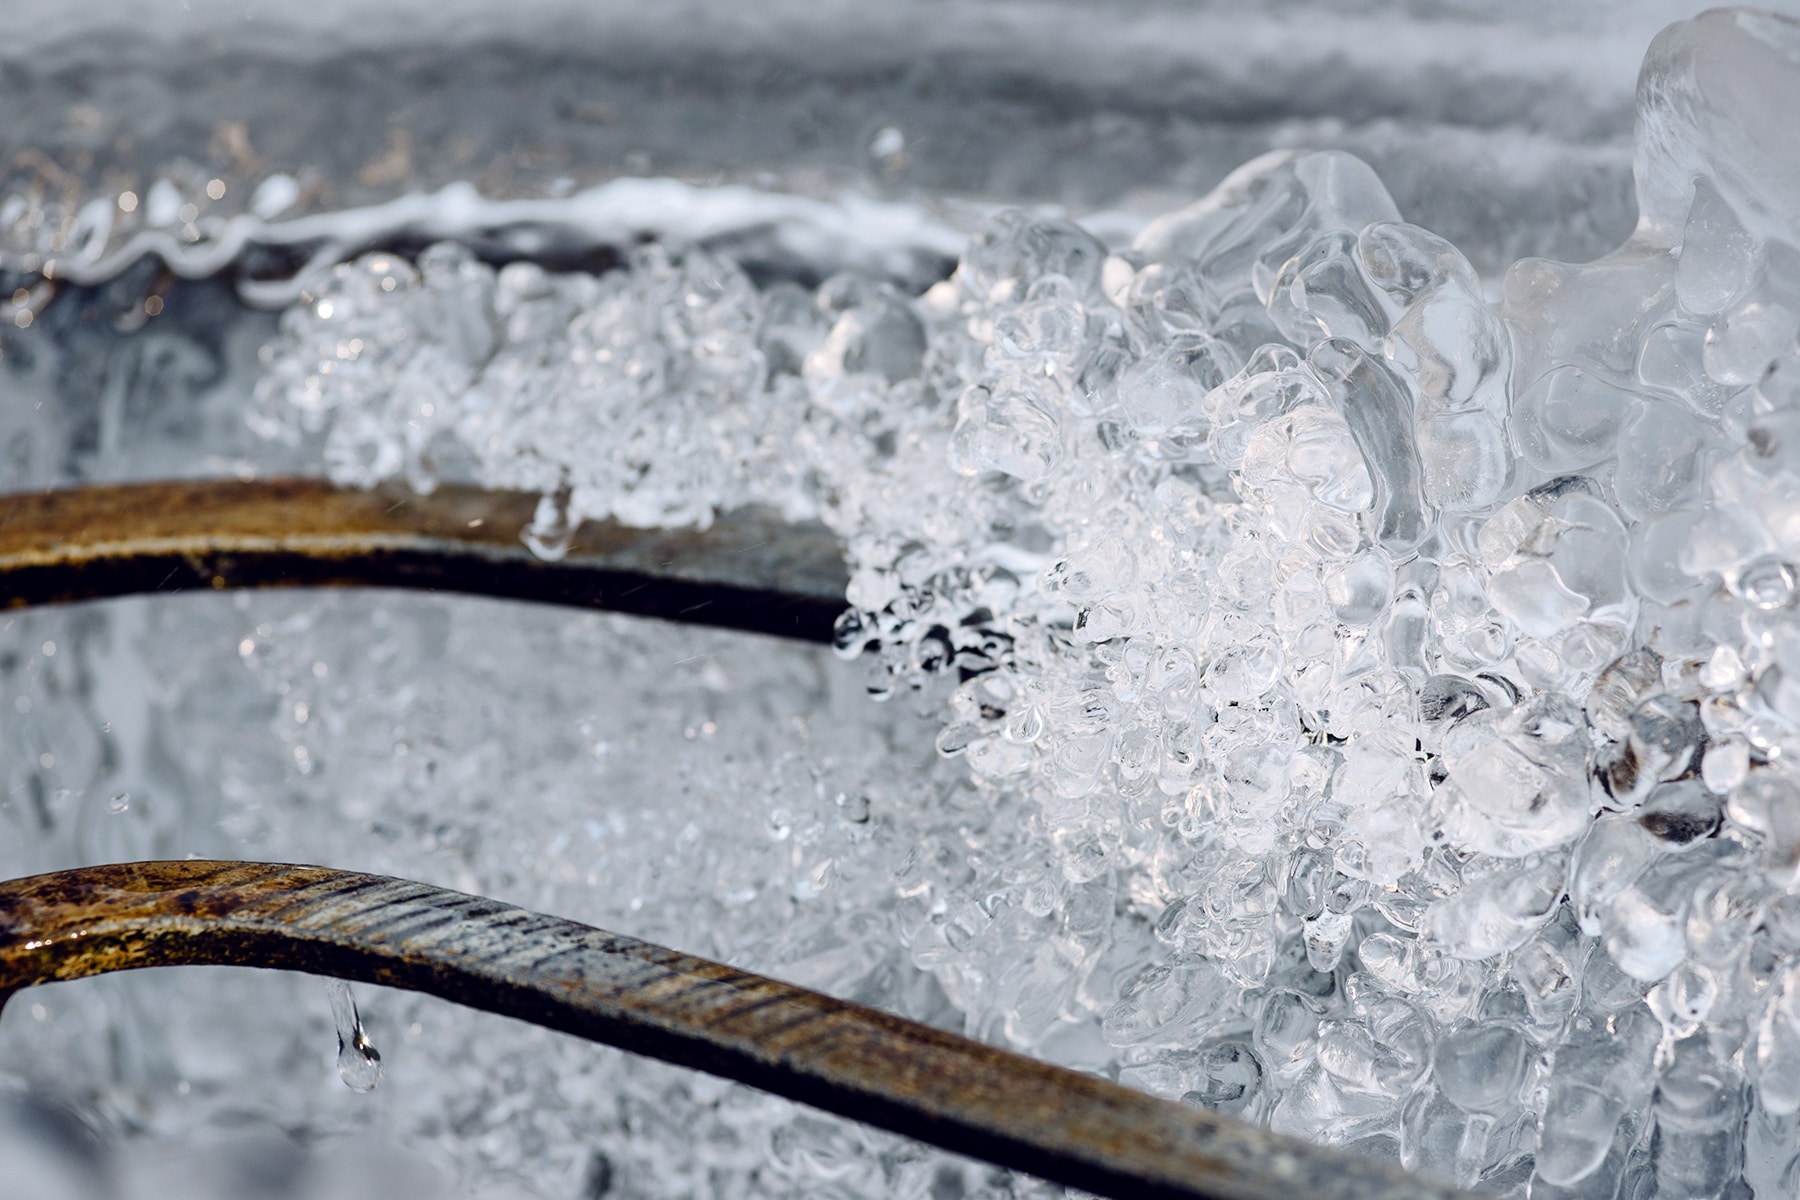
{"points": [[749, 571], [959, 1094]]}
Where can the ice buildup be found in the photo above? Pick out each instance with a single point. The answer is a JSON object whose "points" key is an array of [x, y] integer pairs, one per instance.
{"points": [[1381, 704]]}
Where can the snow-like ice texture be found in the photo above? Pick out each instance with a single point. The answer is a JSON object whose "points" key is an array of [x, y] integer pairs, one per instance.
{"points": [[1389, 699]]}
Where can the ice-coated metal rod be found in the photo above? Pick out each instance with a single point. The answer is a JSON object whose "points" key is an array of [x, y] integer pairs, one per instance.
{"points": [[953, 1092], [749, 571]]}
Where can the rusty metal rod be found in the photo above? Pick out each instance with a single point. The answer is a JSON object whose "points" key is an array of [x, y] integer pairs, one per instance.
{"points": [[749, 571], [959, 1094]]}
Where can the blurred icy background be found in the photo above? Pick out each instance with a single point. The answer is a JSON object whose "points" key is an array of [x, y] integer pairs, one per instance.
{"points": [[1505, 129]]}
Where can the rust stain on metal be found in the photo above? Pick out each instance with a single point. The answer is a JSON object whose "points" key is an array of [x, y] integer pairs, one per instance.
{"points": [[956, 1093], [749, 571]]}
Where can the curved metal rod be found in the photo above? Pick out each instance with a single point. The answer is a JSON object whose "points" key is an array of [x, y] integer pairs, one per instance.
{"points": [[956, 1093], [749, 571]]}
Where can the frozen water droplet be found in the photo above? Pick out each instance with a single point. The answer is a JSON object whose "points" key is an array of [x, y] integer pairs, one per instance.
{"points": [[850, 633], [1746, 340], [1480, 1067], [551, 530], [1767, 583], [1228, 1078], [1321, 292], [1162, 395], [1778, 1046], [1718, 257], [1358, 590], [358, 1062], [1379, 412], [1726, 765], [1405, 260], [1006, 431]]}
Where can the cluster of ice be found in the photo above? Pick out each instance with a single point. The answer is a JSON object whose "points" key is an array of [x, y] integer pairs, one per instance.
{"points": [[591, 385], [1383, 703]]}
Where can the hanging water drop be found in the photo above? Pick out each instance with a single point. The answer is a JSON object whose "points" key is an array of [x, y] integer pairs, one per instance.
{"points": [[358, 1061]]}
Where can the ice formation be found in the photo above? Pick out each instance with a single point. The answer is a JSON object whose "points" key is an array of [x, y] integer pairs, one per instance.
{"points": [[1399, 688], [1379, 701]]}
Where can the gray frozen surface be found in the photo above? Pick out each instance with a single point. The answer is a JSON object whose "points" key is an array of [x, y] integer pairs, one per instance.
{"points": [[1505, 129]]}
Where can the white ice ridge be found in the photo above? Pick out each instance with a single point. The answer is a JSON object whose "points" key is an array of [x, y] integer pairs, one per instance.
{"points": [[854, 230], [1384, 704]]}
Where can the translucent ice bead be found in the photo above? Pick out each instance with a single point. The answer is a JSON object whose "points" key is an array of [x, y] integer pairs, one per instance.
{"points": [[1743, 342], [1227, 1078], [1458, 356], [1516, 784], [879, 336], [1699, 1108], [1608, 859], [1598, 1076], [1378, 410], [1014, 248], [1568, 419], [1438, 1138], [1358, 590], [1709, 93], [1661, 447], [1163, 394], [1171, 298], [1719, 257], [1777, 1063], [1321, 292], [1590, 315], [1555, 555], [1004, 430], [1047, 335], [1314, 447], [1159, 1004], [1456, 350], [1264, 213], [1271, 383], [1671, 361], [1405, 261], [1646, 924], [1466, 459], [1498, 909], [1481, 1067], [460, 319], [1767, 804]]}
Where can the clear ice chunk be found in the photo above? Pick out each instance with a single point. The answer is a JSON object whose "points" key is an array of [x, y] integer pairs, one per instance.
{"points": [[1555, 555], [1481, 1067], [1378, 411]]}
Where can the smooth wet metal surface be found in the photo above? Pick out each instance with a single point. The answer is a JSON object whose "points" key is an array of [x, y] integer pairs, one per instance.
{"points": [[950, 1091], [749, 571]]}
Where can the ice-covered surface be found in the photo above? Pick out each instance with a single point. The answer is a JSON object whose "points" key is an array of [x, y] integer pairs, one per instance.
{"points": [[1369, 708]]}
